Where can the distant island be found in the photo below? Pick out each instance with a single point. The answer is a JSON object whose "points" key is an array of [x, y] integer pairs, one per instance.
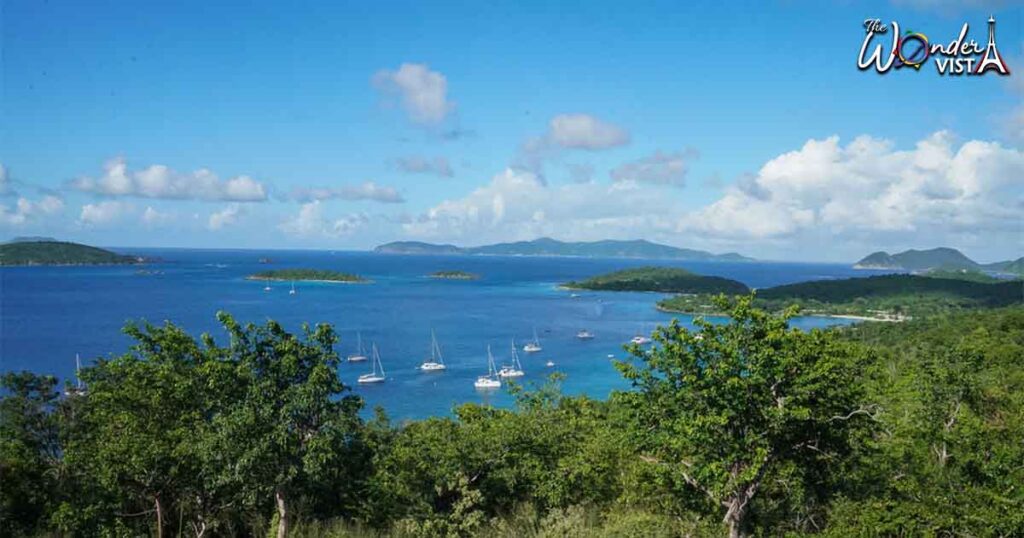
{"points": [[28, 251], [887, 297], [551, 247], [660, 279], [454, 275], [307, 275], [942, 258]]}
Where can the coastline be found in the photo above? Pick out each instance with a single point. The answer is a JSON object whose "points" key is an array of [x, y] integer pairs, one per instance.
{"points": [[801, 314], [274, 279]]}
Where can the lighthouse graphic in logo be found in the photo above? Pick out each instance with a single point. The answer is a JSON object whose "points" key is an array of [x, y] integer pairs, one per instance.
{"points": [[992, 58]]}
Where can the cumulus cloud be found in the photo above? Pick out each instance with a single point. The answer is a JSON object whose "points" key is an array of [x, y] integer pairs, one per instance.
{"points": [[938, 188], [159, 181], [310, 222], [568, 132], [368, 190], [227, 216], [583, 131], [422, 93], [103, 213], [516, 204], [26, 210], [152, 217], [660, 169], [437, 166]]}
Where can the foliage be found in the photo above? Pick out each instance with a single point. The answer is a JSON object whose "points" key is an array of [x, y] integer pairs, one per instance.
{"points": [[876, 429], [307, 274], [661, 279], [58, 253], [890, 295]]}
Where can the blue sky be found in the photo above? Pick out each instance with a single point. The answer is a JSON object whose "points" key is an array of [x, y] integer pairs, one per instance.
{"points": [[344, 125]]}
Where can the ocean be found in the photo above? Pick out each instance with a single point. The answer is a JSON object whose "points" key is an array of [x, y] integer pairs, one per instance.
{"points": [[48, 314]]}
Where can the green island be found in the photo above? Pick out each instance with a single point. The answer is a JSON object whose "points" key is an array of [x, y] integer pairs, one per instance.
{"points": [[660, 279], [307, 275], [885, 297], [60, 253], [877, 429], [454, 275]]}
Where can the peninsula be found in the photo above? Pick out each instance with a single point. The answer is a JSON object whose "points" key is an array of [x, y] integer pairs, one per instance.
{"points": [[660, 279], [53, 252]]}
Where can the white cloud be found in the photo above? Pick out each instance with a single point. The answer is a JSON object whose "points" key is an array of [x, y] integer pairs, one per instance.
{"points": [[568, 132], [659, 169], [423, 93], [421, 165], [227, 216], [159, 181], [368, 190], [152, 217], [102, 213], [26, 210], [869, 188], [516, 204], [583, 131], [310, 222]]}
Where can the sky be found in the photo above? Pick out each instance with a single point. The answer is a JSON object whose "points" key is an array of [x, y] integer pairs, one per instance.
{"points": [[724, 126]]}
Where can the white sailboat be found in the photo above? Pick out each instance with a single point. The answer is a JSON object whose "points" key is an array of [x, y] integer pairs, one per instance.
{"points": [[515, 369], [374, 376], [266, 288], [292, 292], [360, 354], [640, 339], [78, 389], [436, 362], [489, 381], [533, 347], [549, 364], [584, 335]]}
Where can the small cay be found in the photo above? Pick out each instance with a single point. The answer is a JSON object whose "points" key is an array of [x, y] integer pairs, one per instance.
{"points": [[454, 275], [307, 275], [660, 279]]}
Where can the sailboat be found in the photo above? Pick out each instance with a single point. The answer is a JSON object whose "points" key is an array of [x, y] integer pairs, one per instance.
{"points": [[436, 362], [533, 347], [640, 339], [584, 335], [78, 389], [374, 376], [549, 364], [360, 354], [489, 381], [292, 292], [266, 288], [516, 368]]}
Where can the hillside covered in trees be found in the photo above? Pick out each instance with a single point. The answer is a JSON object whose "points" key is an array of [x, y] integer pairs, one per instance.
{"points": [[878, 429], [660, 279], [52, 252]]}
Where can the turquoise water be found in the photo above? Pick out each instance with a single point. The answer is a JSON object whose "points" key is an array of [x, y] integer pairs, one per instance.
{"points": [[48, 314]]}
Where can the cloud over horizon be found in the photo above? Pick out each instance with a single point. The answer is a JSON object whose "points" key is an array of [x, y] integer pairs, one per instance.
{"points": [[367, 190], [161, 182], [422, 93]]}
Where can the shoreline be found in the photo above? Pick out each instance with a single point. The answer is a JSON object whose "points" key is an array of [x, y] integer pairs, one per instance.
{"points": [[801, 314]]}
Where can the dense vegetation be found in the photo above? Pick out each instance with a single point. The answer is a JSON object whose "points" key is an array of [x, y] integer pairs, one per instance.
{"points": [[963, 274], [454, 275], [746, 427], [919, 260], [58, 253], [306, 274], [887, 295], [662, 279]]}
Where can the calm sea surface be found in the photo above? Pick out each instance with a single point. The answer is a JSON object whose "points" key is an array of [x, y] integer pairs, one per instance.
{"points": [[48, 314]]}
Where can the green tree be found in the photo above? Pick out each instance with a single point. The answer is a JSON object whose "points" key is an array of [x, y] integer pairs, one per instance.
{"points": [[29, 451], [290, 428], [729, 406]]}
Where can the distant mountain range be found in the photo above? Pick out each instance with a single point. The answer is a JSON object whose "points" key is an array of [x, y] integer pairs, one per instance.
{"points": [[942, 258], [551, 247]]}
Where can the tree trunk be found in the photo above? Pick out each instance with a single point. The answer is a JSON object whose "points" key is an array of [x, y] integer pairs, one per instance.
{"points": [[282, 515], [734, 517], [159, 517]]}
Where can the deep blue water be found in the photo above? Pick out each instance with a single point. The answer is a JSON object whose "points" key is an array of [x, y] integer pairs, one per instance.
{"points": [[48, 314]]}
